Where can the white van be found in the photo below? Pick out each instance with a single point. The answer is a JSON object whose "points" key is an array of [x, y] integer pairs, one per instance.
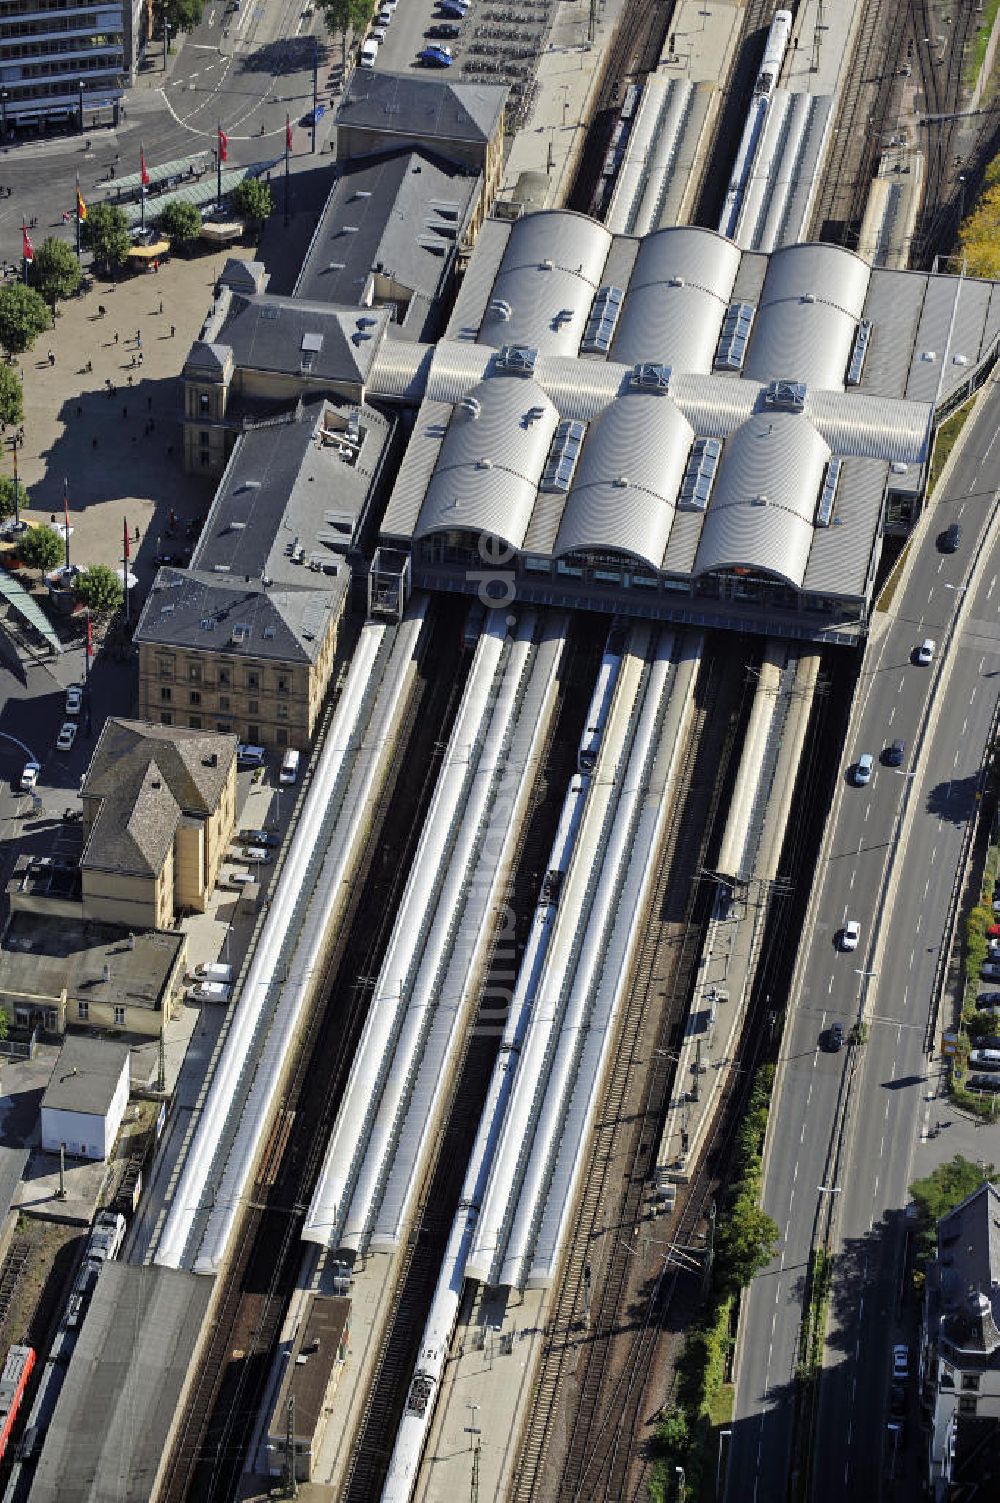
{"points": [[214, 972], [289, 766], [210, 991], [249, 756], [369, 53]]}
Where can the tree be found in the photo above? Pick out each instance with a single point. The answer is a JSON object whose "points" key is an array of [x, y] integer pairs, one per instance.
{"points": [[23, 316], [100, 589], [252, 200], [41, 548], [105, 233], [180, 15], [944, 1189], [55, 271], [7, 496], [746, 1243], [346, 15], [11, 396], [180, 222], [4, 1024]]}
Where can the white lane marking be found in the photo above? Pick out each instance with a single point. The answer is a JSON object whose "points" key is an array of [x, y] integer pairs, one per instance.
{"points": [[892, 714], [916, 927], [830, 987], [912, 953], [853, 875], [989, 592], [868, 810], [973, 694]]}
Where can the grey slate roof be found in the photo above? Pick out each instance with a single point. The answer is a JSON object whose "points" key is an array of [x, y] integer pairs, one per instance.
{"points": [[433, 110], [401, 216], [969, 1247], [43, 957], [147, 776], [109, 1431], [206, 359], [280, 334], [86, 1076]]}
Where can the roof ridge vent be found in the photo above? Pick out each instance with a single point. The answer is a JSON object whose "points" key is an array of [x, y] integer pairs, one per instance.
{"points": [[676, 282], [809, 297], [501, 309], [471, 405], [621, 482], [484, 464]]}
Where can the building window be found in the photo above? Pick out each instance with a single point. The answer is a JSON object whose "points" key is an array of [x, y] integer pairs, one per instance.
{"points": [[119, 1017], [970, 1382], [253, 734], [83, 1011], [165, 695], [224, 726], [194, 672], [51, 1020], [206, 460], [283, 683], [281, 736], [223, 701], [22, 1016], [967, 1403], [165, 667], [166, 718], [203, 404], [253, 680], [194, 697], [253, 707], [194, 721], [224, 679]]}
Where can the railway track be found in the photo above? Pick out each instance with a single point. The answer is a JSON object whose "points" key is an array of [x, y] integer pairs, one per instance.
{"points": [[942, 83], [221, 1410], [417, 1278], [870, 87], [579, 1352]]}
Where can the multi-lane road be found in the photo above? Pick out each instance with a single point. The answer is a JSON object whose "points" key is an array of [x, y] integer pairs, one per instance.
{"points": [[891, 976]]}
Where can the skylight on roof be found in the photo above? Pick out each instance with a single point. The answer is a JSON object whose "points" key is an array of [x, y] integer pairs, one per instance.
{"points": [[699, 477], [598, 334], [312, 343], [563, 455], [828, 493], [732, 347]]}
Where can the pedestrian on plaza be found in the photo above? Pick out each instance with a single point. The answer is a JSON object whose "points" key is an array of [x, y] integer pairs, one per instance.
{"points": [[90, 367], [132, 364], [111, 171], [156, 268], [94, 442], [101, 310], [130, 378], [137, 534], [52, 358], [116, 336], [124, 412], [140, 357], [138, 336], [79, 410], [172, 331], [161, 305], [149, 404]]}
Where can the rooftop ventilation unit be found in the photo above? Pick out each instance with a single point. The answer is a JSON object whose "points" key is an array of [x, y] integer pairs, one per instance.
{"points": [[237, 526], [546, 265], [471, 405], [649, 376], [786, 396], [517, 358], [676, 282], [484, 464], [621, 482], [809, 297], [501, 309]]}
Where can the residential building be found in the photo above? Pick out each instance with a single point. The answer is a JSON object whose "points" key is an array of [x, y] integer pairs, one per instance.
{"points": [[85, 1100], [61, 62], [960, 1358], [159, 807], [59, 970], [244, 640]]}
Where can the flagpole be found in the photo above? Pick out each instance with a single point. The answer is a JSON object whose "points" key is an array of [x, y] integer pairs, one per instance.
{"points": [[125, 552], [66, 516], [17, 498], [288, 144], [78, 203], [24, 248], [142, 186], [218, 163]]}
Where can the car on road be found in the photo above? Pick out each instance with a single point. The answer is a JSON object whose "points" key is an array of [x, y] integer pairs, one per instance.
{"points": [[850, 934], [900, 1362], [894, 754], [445, 31], [313, 117], [863, 769], [248, 755], [835, 1038], [74, 699], [435, 57], [255, 854], [925, 652], [377, 34], [66, 737], [240, 879], [949, 540], [897, 1399], [210, 991], [266, 838], [453, 10], [29, 776]]}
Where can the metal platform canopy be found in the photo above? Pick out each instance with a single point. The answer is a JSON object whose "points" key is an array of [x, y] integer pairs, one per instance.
{"points": [[159, 177], [199, 192], [28, 609]]}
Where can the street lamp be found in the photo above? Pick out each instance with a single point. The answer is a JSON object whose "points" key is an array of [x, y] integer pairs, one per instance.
{"points": [[79, 87], [166, 43], [4, 96]]}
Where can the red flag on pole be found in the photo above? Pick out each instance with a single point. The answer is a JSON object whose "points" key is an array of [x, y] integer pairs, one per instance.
{"points": [[288, 132], [128, 554], [143, 174], [27, 250], [223, 146]]}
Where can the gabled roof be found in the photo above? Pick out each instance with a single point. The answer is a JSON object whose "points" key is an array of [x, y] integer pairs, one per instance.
{"points": [[426, 109], [194, 608], [209, 358], [320, 342], [147, 776], [969, 1245]]}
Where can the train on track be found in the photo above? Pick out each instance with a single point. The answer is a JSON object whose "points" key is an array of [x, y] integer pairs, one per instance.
{"points": [[17, 1369], [775, 48]]}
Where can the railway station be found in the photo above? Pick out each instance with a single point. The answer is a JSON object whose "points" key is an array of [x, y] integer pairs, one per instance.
{"points": [[573, 522]]}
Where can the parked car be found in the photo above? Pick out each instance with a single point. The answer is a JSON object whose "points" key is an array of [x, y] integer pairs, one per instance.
{"points": [[850, 934], [74, 699], [835, 1038], [240, 879], [894, 754], [925, 652], [266, 838], [863, 769], [29, 776], [951, 537], [215, 970], [990, 971], [289, 766], [313, 117], [900, 1362], [250, 756], [446, 31], [255, 854], [377, 34], [66, 737], [435, 57], [453, 10], [210, 991]]}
